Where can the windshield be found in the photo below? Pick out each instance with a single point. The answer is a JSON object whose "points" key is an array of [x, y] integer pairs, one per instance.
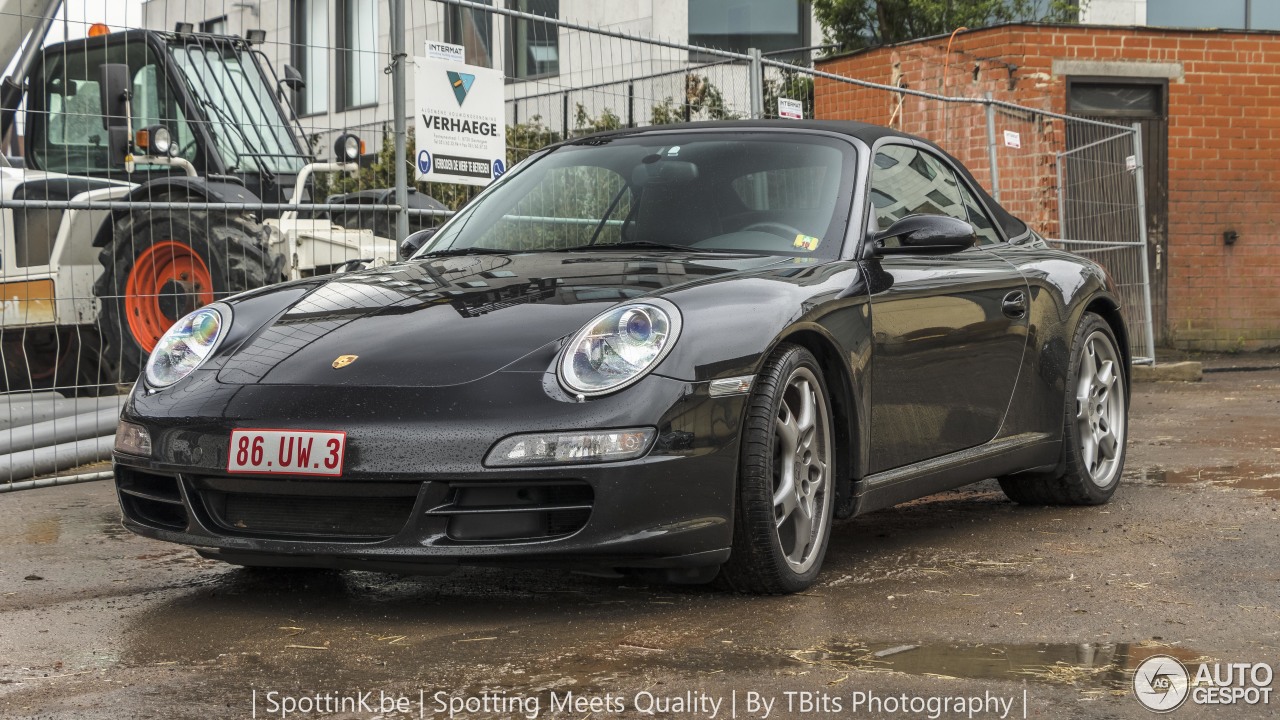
{"points": [[756, 192], [250, 133]]}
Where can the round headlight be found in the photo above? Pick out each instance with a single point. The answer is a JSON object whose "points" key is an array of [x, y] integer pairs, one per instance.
{"points": [[348, 148], [161, 141], [186, 345], [618, 347]]}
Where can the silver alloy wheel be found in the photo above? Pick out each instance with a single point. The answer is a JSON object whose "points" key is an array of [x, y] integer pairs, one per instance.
{"points": [[801, 470], [1100, 415]]}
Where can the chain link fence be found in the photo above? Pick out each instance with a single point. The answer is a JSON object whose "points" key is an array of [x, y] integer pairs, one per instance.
{"points": [[160, 163]]}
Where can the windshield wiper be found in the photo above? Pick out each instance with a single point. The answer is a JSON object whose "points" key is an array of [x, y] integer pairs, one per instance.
{"points": [[648, 245], [449, 252]]}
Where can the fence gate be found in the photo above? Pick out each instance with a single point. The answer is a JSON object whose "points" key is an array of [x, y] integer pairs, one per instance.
{"points": [[1102, 215]]}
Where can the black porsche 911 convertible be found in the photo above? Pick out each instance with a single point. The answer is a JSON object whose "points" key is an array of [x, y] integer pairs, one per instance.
{"points": [[680, 351]]}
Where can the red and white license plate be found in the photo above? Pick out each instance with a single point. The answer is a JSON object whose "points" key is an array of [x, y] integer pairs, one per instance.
{"points": [[290, 452]]}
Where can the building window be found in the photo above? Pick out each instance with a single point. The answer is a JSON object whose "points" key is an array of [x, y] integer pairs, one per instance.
{"points": [[533, 48], [473, 30], [310, 56], [357, 53], [1197, 13], [739, 25], [215, 26], [1231, 14], [1115, 97]]}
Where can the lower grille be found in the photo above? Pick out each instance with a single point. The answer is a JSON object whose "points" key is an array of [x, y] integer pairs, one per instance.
{"points": [[341, 517], [304, 509], [488, 512]]}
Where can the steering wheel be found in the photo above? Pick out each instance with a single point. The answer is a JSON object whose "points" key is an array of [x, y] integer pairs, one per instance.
{"points": [[774, 228]]}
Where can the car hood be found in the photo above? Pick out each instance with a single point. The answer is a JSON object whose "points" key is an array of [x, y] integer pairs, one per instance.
{"points": [[448, 321]]}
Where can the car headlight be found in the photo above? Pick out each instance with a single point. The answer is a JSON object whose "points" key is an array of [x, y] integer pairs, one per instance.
{"points": [[187, 344], [618, 347]]}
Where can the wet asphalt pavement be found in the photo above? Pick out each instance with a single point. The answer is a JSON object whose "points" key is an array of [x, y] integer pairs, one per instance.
{"points": [[961, 595]]}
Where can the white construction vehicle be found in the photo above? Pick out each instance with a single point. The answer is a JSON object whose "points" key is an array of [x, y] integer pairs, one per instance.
{"points": [[160, 120]]}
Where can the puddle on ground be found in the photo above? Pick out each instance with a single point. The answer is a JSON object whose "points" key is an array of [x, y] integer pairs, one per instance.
{"points": [[1089, 666], [1261, 480], [42, 531]]}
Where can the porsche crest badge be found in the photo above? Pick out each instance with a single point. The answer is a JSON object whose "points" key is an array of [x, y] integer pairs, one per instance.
{"points": [[343, 361]]}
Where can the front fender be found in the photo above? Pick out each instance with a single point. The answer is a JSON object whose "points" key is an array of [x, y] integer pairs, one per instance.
{"points": [[732, 327], [176, 189]]}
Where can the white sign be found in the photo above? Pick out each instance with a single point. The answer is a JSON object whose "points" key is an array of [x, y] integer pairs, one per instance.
{"points": [[790, 109], [461, 127], [1131, 163], [446, 51], [1012, 139]]}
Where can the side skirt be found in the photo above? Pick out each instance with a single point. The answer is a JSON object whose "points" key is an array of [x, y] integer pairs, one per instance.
{"points": [[996, 458]]}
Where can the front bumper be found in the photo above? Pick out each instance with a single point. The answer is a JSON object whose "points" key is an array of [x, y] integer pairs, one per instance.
{"points": [[415, 496]]}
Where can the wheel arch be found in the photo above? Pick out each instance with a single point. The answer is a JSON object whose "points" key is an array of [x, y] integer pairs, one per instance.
{"points": [[1108, 308], [174, 189], [846, 410]]}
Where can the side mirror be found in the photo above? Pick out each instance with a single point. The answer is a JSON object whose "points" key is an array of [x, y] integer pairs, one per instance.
{"points": [[113, 80], [415, 241], [926, 234], [293, 79]]}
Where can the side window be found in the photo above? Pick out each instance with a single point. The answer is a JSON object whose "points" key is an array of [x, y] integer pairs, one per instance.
{"points": [[907, 181], [70, 138], [75, 113], [987, 233]]}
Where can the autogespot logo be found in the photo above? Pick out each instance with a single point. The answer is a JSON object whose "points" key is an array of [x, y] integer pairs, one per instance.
{"points": [[1161, 683]]}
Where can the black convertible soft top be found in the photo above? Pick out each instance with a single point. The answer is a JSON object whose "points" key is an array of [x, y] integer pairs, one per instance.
{"points": [[866, 132]]}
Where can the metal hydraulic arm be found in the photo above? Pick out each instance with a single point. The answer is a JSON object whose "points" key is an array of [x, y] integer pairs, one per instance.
{"points": [[14, 17]]}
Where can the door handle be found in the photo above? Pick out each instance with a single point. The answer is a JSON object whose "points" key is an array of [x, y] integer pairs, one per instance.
{"points": [[1014, 304]]}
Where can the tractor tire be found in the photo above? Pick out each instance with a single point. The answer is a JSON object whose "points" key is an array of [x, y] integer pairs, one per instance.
{"points": [[66, 359], [161, 266]]}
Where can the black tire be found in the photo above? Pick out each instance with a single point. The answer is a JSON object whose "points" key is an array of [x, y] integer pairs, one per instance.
{"points": [[89, 372], [1081, 479], [760, 562], [232, 248], [67, 359]]}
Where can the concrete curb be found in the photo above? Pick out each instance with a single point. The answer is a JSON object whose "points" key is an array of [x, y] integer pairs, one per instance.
{"points": [[1168, 372]]}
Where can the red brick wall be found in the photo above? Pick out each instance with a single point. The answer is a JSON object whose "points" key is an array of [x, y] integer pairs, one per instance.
{"points": [[1224, 148]]}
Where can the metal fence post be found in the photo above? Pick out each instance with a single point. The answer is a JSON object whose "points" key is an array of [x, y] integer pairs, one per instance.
{"points": [[991, 148], [756, 82], [1058, 159], [1140, 180], [399, 111]]}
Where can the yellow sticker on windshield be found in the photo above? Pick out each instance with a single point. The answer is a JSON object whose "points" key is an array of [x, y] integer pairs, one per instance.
{"points": [[807, 243]]}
